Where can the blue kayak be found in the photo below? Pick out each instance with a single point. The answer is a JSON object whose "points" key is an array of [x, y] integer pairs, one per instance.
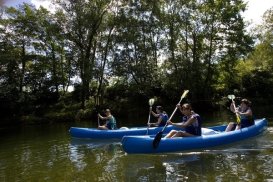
{"points": [[94, 133], [211, 137]]}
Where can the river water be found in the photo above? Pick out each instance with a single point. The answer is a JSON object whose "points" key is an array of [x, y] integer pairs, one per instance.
{"points": [[47, 153]]}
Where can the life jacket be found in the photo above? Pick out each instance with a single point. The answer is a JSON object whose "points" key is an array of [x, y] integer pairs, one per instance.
{"points": [[195, 127], [111, 123], [164, 118], [246, 121]]}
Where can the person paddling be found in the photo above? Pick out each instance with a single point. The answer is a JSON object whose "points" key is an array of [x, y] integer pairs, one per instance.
{"points": [[161, 115], [191, 121], [110, 121], [245, 113]]}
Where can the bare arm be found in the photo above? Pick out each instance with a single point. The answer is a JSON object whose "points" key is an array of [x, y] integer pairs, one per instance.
{"points": [[104, 118], [183, 124], [232, 107], [247, 113], [158, 121], [154, 114], [179, 107], [189, 121], [180, 125]]}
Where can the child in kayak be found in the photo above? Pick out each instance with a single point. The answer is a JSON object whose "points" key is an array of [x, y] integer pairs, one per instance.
{"points": [[245, 113], [191, 122], [161, 115], [110, 121]]}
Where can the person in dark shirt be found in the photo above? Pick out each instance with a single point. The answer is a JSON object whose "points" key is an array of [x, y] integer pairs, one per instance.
{"points": [[191, 122], [110, 121], [245, 113], [161, 115]]}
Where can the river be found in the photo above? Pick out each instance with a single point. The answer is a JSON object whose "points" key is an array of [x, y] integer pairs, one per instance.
{"points": [[48, 153]]}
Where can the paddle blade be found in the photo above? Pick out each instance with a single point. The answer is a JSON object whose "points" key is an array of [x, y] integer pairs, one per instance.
{"points": [[157, 139], [231, 97], [184, 94], [151, 102]]}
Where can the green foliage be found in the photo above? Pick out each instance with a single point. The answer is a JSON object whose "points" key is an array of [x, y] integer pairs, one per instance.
{"points": [[120, 54], [258, 84], [256, 71]]}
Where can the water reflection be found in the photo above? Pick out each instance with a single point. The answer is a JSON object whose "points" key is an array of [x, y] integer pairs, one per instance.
{"points": [[199, 167], [49, 154], [77, 158], [104, 153], [170, 167], [247, 161]]}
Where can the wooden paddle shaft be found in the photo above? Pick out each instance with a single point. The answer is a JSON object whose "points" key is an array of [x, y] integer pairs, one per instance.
{"points": [[237, 115], [172, 113]]}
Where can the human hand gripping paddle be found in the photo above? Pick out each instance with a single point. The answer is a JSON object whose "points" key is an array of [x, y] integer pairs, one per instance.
{"points": [[158, 136], [232, 97], [151, 103]]}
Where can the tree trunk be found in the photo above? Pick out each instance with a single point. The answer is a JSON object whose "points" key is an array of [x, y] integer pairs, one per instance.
{"points": [[23, 58]]}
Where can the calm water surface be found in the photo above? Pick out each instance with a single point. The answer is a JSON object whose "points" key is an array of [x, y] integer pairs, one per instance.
{"points": [[47, 153]]}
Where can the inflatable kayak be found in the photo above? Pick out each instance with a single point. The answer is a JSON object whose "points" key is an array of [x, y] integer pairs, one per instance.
{"points": [[211, 137], [94, 133]]}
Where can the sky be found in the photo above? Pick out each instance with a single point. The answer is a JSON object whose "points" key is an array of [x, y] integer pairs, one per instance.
{"points": [[256, 9], [37, 3], [254, 12]]}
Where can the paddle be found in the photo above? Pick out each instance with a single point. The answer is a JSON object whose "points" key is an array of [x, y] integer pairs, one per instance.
{"points": [[232, 97], [158, 136], [151, 103]]}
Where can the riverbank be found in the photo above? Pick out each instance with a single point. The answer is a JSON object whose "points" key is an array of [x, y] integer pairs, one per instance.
{"points": [[72, 112]]}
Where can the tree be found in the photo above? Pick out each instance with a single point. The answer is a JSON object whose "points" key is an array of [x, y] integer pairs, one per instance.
{"points": [[264, 49], [206, 42], [256, 71], [84, 20], [136, 53]]}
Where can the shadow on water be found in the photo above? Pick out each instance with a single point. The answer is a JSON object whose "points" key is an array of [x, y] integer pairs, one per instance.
{"points": [[93, 143]]}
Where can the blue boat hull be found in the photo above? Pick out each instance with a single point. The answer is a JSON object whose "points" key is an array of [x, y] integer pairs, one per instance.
{"points": [[143, 144], [93, 133]]}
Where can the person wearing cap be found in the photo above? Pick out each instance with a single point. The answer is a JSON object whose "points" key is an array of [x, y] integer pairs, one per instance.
{"points": [[245, 113], [110, 121], [191, 122], [161, 115]]}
